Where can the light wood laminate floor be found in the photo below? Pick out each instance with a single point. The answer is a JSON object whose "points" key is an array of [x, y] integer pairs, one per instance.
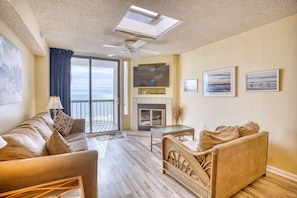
{"points": [[127, 168]]}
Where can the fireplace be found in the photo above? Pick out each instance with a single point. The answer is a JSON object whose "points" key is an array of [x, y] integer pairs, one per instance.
{"points": [[151, 115], [151, 100]]}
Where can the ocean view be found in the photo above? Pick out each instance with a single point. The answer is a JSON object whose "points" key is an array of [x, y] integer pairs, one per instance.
{"points": [[104, 93]]}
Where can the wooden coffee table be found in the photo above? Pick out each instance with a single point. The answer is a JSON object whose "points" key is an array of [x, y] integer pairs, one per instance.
{"points": [[175, 130]]}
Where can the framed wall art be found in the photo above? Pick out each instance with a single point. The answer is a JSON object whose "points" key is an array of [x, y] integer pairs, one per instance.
{"points": [[262, 81], [220, 82], [10, 72], [191, 85]]}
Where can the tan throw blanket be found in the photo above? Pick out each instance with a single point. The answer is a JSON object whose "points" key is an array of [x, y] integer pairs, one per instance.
{"points": [[208, 139]]}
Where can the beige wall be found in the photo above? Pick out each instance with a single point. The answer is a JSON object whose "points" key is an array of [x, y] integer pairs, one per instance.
{"points": [[171, 91], [172, 61], [273, 46], [13, 114], [42, 86], [125, 119]]}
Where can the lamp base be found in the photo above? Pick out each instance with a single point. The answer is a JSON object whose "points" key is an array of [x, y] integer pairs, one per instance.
{"points": [[54, 114]]}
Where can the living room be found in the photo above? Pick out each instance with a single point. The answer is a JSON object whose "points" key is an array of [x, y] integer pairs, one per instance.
{"points": [[267, 47]]}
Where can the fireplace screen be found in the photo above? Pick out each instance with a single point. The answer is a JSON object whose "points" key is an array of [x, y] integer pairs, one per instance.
{"points": [[151, 117]]}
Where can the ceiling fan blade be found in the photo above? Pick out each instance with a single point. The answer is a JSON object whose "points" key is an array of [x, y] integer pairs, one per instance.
{"points": [[138, 44], [117, 53], [113, 46], [147, 51], [110, 55]]}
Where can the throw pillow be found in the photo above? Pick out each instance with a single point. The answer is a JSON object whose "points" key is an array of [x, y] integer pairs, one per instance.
{"points": [[63, 123], [39, 125], [57, 144], [208, 139]]}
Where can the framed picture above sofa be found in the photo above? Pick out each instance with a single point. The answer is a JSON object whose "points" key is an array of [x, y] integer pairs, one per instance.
{"points": [[220, 82]]}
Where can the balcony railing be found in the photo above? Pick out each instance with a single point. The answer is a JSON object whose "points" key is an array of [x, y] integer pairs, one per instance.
{"points": [[102, 111]]}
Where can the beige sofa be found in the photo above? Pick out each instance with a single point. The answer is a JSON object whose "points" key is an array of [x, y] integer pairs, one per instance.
{"points": [[219, 171], [28, 158]]}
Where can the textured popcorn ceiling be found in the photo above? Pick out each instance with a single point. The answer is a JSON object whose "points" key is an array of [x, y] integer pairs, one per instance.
{"points": [[85, 25]]}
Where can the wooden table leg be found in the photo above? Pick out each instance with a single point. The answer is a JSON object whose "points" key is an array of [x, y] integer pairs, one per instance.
{"points": [[151, 142]]}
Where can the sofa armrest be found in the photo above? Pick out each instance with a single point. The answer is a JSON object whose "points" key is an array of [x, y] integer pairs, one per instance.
{"points": [[78, 126], [238, 163], [16, 174], [175, 153]]}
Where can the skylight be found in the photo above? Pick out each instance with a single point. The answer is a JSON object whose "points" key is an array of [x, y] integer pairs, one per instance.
{"points": [[145, 23]]}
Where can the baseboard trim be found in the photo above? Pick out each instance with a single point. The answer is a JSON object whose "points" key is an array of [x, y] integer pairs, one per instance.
{"points": [[282, 173]]}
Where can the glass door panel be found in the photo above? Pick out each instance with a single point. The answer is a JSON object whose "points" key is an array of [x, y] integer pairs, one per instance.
{"points": [[157, 117], [145, 117], [94, 92], [80, 86], [104, 91]]}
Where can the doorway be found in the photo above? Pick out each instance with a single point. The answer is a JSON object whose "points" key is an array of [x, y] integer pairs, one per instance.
{"points": [[95, 92]]}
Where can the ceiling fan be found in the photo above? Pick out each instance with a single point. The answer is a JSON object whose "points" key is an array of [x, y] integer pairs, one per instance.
{"points": [[131, 49]]}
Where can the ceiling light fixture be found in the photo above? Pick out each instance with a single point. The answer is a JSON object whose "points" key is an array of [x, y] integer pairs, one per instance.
{"points": [[144, 11]]}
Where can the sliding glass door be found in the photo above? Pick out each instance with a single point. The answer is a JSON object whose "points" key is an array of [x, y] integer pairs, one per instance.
{"points": [[94, 93]]}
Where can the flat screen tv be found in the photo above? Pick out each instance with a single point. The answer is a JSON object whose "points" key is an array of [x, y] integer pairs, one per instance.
{"points": [[151, 76]]}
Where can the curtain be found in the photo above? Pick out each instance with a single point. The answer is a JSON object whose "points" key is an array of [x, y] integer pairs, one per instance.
{"points": [[60, 65]]}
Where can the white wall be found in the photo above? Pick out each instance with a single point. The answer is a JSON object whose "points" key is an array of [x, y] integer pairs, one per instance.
{"points": [[273, 46]]}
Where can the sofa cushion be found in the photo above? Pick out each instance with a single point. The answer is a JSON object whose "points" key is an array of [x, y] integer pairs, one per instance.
{"points": [[23, 143], [63, 123], [45, 116], [75, 136], [208, 139], [79, 145], [57, 144], [77, 141], [40, 126]]}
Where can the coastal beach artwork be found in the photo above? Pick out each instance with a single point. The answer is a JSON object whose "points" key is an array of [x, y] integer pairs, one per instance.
{"points": [[220, 82], [263, 81], [191, 85], [10, 72]]}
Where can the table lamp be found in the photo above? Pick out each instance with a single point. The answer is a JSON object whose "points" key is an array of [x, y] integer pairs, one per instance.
{"points": [[55, 104]]}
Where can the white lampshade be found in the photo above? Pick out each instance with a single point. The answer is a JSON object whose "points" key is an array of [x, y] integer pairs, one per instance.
{"points": [[54, 103], [2, 142]]}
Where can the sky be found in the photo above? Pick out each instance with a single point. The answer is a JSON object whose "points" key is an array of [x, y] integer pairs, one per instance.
{"points": [[102, 79]]}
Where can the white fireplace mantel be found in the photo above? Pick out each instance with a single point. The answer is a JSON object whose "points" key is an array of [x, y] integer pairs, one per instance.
{"points": [[150, 100]]}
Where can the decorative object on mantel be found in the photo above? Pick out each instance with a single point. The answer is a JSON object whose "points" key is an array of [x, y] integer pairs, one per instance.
{"points": [[10, 72], [177, 112], [55, 104], [158, 90]]}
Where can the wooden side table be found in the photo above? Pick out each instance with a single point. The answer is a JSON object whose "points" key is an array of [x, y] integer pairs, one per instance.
{"points": [[64, 188], [175, 130]]}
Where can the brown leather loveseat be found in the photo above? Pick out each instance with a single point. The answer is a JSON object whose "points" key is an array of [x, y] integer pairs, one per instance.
{"points": [[38, 154]]}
